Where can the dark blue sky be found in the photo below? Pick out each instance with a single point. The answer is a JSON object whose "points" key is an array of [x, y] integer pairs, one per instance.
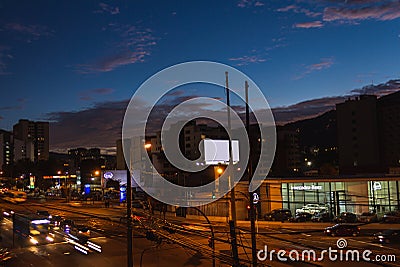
{"points": [[69, 57]]}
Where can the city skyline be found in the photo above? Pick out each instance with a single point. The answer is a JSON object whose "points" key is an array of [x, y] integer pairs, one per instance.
{"points": [[78, 64]]}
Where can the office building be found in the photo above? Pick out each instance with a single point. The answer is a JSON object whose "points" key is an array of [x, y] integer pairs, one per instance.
{"points": [[32, 132]]}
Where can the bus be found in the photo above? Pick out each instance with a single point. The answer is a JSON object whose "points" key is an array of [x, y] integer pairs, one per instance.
{"points": [[15, 197], [32, 228]]}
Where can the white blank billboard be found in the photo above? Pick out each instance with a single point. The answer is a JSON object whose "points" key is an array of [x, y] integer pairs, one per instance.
{"points": [[217, 151]]}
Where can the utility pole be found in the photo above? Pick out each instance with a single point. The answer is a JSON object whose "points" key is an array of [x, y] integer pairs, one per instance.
{"points": [[129, 212], [232, 214], [250, 175]]}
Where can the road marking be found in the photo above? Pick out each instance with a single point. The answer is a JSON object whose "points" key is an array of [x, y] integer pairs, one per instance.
{"points": [[306, 234], [373, 244]]}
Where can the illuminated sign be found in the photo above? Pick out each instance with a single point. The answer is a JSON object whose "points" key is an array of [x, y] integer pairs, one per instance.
{"points": [[377, 186], [59, 176], [256, 198], [306, 187], [115, 175], [108, 175], [122, 192]]}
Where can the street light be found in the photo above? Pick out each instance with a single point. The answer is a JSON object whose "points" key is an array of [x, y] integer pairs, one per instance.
{"points": [[147, 146]]}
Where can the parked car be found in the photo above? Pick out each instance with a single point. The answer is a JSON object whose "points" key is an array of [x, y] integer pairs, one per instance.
{"points": [[301, 217], [342, 230], [391, 217], [368, 217], [321, 217], [312, 208], [278, 215], [388, 236], [346, 217]]}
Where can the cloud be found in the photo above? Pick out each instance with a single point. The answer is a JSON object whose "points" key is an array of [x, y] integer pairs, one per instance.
{"points": [[31, 32], [104, 8], [361, 10], [90, 94], [299, 10], [306, 109], [98, 126], [4, 57], [307, 25], [380, 89], [324, 64], [249, 3], [20, 105], [246, 60], [133, 46]]}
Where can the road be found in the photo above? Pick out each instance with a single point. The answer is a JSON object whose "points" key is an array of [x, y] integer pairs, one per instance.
{"points": [[188, 243]]}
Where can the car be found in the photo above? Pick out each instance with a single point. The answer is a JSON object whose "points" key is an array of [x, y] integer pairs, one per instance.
{"points": [[43, 213], [388, 236], [368, 217], [311, 208], [79, 232], [342, 229], [321, 217], [301, 217], [83, 230], [5, 256], [278, 215], [391, 217], [55, 221], [66, 225], [346, 217]]}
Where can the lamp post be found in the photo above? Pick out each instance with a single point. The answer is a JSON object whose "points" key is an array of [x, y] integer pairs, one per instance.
{"points": [[129, 237]]}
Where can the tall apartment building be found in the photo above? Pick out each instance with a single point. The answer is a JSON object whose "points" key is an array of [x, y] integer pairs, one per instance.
{"points": [[358, 139], [32, 132], [389, 130], [287, 156], [6, 149]]}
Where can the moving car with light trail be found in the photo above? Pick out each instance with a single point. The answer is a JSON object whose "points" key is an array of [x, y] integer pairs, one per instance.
{"points": [[343, 230], [388, 236], [34, 228]]}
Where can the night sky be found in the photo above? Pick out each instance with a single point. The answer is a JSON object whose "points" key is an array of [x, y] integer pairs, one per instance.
{"points": [[77, 63]]}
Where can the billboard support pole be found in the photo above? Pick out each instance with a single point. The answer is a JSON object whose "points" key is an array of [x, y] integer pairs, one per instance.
{"points": [[250, 174], [129, 218]]}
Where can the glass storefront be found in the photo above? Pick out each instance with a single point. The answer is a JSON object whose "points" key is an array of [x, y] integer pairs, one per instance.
{"points": [[340, 196], [384, 195]]}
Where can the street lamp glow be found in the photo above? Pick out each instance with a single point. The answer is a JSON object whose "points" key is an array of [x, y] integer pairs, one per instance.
{"points": [[147, 146], [220, 170], [96, 172], [309, 163]]}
